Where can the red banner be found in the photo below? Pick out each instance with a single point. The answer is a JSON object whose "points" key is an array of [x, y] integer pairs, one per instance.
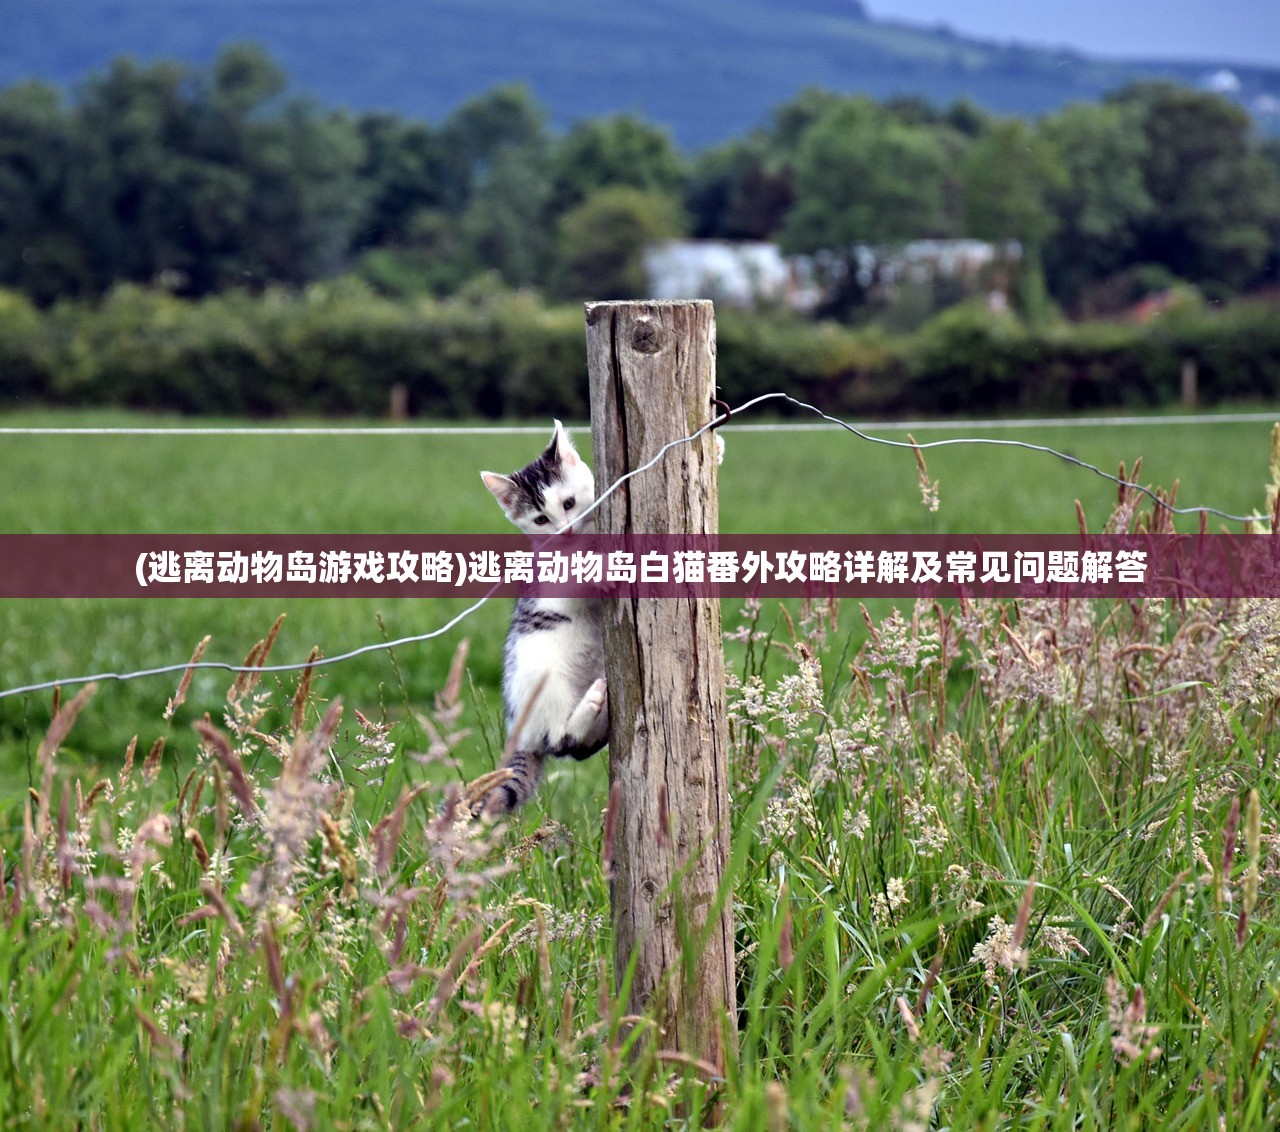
{"points": [[659, 566]]}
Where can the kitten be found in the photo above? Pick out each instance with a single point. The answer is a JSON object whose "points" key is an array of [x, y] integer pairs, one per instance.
{"points": [[553, 682]]}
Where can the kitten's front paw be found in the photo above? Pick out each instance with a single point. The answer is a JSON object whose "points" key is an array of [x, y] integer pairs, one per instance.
{"points": [[597, 696], [589, 723]]}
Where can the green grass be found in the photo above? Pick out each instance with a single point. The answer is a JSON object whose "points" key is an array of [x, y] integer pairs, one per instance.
{"points": [[170, 959], [334, 966]]}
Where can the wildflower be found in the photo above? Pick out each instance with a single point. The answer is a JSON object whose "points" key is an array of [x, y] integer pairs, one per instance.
{"points": [[885, 905], [1254, 678], [556, 925], [747, 706], [949, 765], [999, 951], [374, 736], [1104, 882], [851, 747], [908, 1018], [504, 1023], [191, 978], [1132, 1038], [958, 877], [799, 695], [777, 1115], [896, 890], [928, 487], [900, 646], [787, 816], [549, 835], [931, 835], [1061, 942], [856, 824], [936, 1060], [297, 1106], [916, 1109], [156, 830], [181, 695], [1253, 843]]}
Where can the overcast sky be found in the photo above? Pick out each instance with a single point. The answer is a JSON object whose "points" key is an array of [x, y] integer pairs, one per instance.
{"points": [[1245, 31]]}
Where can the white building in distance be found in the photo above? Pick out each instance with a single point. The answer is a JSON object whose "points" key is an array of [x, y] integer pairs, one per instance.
{"points": [[752, 273], [736, 274]]}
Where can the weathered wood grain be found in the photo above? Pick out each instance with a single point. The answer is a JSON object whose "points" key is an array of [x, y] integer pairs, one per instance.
{"points": [[652, 371]]}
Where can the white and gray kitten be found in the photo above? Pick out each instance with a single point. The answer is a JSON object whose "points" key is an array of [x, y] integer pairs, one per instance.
{"points": [[553, 682]]}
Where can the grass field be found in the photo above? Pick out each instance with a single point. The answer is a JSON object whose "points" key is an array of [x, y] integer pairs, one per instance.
{"points": [[175, 954]]}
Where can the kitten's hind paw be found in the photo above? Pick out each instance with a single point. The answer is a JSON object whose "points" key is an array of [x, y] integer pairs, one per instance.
{"points": [[491, 796]]}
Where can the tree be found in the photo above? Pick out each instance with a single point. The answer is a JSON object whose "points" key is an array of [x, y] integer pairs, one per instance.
{"points": [[863, 178], [794, 118], [735, 193], [1215, 196], [1270, 149], [246, 79], [618, 150], [1008, 174], [473, 136], [602, 241], [305, 188], [42, 247], [508, 226], [404, 170], [1102, 202], [149, 204], [966, 117], [200, 181], [913, 110]]}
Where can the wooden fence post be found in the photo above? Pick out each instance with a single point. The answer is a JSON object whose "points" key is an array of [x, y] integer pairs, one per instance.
{"points": [[652, 371], [1190, 376]]}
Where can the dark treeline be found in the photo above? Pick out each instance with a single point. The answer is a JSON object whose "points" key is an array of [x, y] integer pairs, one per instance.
{"points": [[203, 181]]}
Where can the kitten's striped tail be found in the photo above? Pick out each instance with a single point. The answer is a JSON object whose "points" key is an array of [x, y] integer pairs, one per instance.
{"points": [[512, 789]]}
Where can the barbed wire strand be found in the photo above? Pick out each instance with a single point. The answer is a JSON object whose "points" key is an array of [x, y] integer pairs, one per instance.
{"points": [[418, 638], [1155, 497]]}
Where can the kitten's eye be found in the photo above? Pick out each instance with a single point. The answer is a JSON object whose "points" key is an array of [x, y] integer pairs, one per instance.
{"points": [[568, 503], [541, 520]]}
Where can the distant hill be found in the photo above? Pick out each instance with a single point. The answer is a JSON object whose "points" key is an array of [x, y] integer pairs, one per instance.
{"points": [[707, 69]]}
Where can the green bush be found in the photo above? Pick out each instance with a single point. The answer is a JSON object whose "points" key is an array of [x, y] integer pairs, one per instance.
{"points": [[969, 359], [338, 348], [27, 367]]}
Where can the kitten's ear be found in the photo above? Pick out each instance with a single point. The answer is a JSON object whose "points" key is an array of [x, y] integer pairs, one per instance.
{"points": [[503, 488], [561, 448]]}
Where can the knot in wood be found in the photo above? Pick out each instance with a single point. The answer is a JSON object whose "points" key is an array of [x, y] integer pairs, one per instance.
{"points": [[646, 338]]}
